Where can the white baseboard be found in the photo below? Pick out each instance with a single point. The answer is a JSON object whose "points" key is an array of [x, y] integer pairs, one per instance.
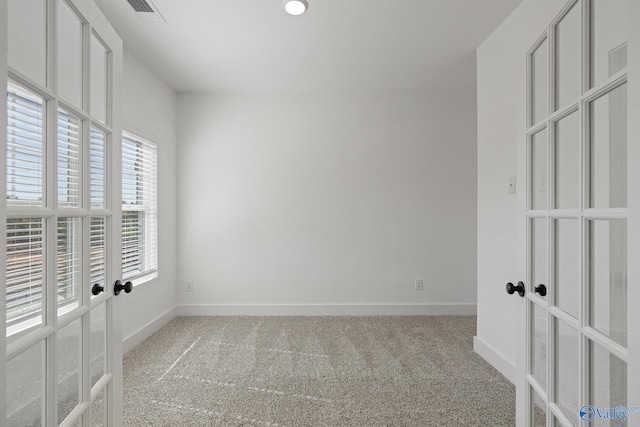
{"points": [[149, 329], [495, 359], [326, 309]]}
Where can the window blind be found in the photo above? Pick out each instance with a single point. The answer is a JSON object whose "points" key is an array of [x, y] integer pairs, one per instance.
{"points": [[139, 207], [98, 167], [24, 267], [25, 237], [25, 128], [68, 159], [98, 250], [69, 259]]}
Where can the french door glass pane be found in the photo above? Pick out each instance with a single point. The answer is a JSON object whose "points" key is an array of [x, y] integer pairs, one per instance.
{"points": [[567, 371], [28, 54], [24, 273], [69, 159], [609, 150], [97, 343], [69, 263], [25, 383], [98, 406], [98, 167], [69, 49], [69, 359], [609, 38], [539, 82], [567, 265], [539, 344], [25, 128], [608, 387], [98, 250], [538, 411], [568, 57], [539, 249], [539, 177], [567, 162], [608, 278], [98, 80]]}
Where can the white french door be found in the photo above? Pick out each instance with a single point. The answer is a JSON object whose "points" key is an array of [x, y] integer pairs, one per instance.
{"points": [[574, 350], [60, 215]]}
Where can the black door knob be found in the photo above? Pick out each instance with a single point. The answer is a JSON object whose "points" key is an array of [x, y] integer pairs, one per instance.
{"points": [[119, 287], [541, 290], [511, 288], [96, 289]]}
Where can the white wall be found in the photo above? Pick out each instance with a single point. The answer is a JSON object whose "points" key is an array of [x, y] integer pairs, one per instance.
{"points": [[150, 112], [326, 205]]}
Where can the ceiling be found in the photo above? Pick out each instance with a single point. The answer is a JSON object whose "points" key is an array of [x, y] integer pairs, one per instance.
{"points": [[337, 46]]}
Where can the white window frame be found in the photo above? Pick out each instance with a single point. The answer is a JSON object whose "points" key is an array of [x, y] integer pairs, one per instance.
{"points": [[146, 201]]}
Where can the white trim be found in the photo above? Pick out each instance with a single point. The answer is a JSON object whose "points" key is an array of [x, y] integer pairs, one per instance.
{"points": [[3, 205], [495, 359], [149, 329], [143, 278], [327, 309], [633, 226]]}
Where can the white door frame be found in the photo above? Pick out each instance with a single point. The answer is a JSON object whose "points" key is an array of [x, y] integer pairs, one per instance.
{"points": [[633, 153], [3, 205]]}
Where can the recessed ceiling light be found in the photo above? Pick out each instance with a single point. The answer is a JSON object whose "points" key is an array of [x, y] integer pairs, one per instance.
{"points": [[295, 7]]}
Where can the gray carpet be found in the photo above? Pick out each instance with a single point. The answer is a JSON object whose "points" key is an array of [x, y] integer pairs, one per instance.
{"points": [[314, 371]]}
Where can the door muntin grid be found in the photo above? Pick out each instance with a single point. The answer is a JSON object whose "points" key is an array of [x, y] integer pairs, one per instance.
{"points": [[570, 185], [63, 345]]}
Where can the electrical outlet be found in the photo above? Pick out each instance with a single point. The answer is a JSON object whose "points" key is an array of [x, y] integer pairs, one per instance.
{"points": [[189, 286], [419, 284]]}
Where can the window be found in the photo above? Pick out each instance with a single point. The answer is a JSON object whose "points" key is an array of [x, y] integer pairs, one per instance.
{"points": [[139, 207], [24, 236]]}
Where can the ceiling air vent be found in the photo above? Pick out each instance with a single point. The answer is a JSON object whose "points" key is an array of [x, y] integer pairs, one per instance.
{"points": [[147, 11], [140, 6]]}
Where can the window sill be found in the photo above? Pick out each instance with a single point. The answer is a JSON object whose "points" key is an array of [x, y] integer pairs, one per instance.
{"points": [[143, 278]]}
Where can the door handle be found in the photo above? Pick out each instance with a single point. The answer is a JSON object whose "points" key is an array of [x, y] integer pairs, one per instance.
{"points": [[541, 290], [119, 287], [96, 289], [511, 288]]}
